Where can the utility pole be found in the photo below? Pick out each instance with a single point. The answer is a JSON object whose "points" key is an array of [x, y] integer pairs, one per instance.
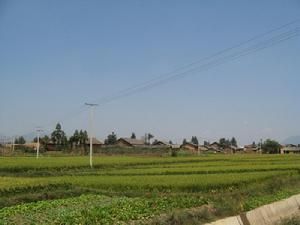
{"points": [[38, 130], [13, 143], [91, 105], [261, 141]]}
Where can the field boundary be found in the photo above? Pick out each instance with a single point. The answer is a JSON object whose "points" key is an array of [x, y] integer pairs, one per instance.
{"points": [[269, 214]]}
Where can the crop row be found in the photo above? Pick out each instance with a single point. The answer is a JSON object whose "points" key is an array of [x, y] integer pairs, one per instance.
{"points": [[200, 169], [193, 182], [116, 161], [28, 166], [204, 167]]}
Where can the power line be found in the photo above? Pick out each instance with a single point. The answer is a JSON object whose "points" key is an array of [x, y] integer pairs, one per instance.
{"points": [[188, 69], [153, 83], [124, 91]]}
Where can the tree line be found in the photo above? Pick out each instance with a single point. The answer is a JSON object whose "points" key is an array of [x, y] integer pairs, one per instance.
{"points": [[80, 139], [223, 142]]}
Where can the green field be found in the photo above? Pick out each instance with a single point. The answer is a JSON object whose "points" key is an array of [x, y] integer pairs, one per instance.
{"points": [[141, 190]]}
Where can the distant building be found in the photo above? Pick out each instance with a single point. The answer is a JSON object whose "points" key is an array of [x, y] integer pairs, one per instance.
{"points": [[286, 149], [97, 145], [215, 147], [189, 146], [203, 148], [251, 149], [130, 142], [162, 144], [95, 142], [175, 146]]}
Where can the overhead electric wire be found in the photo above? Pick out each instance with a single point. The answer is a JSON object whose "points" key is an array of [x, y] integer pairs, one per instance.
{"points": [[201, 60], [257, 47], [188, 69]]}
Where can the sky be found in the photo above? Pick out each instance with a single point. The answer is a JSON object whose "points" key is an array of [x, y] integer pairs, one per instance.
{"points": [[57, 55]]}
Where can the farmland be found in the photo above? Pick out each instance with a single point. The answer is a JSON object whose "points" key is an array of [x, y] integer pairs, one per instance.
{"points": [[141, 190]]}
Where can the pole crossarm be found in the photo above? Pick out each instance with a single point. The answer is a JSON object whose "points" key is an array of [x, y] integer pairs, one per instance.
{"points": [[91, 104]]}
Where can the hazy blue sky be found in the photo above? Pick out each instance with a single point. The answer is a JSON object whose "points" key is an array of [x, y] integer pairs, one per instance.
{"points": [[56, 55]]}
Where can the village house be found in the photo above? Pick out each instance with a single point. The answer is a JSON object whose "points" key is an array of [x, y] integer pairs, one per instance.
{"points": [[175, 146], [287, 149], [161, 144], [95, 142], [190, 147], [203, 148], [251, 149], [130, 142], [215, 147]]}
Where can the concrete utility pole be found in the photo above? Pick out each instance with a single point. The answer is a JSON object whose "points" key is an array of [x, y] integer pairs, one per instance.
{"points": [[38, 130], [13, 143], [91, 105]]}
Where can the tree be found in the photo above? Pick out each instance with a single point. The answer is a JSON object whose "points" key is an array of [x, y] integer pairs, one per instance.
{"points": [[21, 140], [58, 136], [206, 143], [74, 139], [222, 142], [148, 137], [133, 135], [225, 143], [170, 142], [111, 139], [271, 146], [194, 140], [80, 138], [45, 141], [233, 142], [184, 141]]}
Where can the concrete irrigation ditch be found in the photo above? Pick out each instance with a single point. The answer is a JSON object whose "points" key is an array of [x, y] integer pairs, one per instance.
{"points": [[265, 215]]}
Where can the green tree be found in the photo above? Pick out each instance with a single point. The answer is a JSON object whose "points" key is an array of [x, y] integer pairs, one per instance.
{"points": [[184, 141], [45, 141], [85, 137], [233, 142], [81, 138], [225, 143], [58, 136], [271, 146], [206, 143], [194, 140], [222, 142], [111, 139], [149, 137], [75, 139], [133, 136], [20, 140]]}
